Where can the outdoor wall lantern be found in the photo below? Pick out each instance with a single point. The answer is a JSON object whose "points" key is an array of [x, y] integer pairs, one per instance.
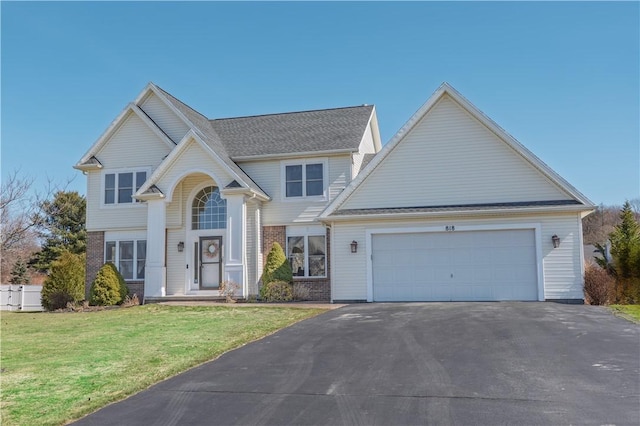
{"points": [[354, 246], [181, 246], [556, 241]]}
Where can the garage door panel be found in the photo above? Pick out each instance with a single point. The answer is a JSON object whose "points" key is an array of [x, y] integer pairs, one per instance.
{"points": [[473, 265]]}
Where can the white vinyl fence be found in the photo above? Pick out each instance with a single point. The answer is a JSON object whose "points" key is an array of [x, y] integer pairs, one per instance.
{"points": [[20, 297]]}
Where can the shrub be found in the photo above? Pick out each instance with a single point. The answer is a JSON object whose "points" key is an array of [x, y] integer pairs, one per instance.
{"points": [[228, 290], [65, 282], [277, 266], [599, 286], [301, 292], [122, 285], [108, 288], [276, 291], [131, 301]]}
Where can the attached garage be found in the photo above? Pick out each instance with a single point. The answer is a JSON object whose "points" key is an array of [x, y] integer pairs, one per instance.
{"points": [[454, 266], [455, 209]]}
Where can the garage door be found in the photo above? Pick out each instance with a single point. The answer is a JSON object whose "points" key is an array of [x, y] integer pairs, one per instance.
{"points": [[455, 266]]}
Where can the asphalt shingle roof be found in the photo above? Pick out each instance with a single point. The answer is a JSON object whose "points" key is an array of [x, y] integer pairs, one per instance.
{"points": [[294, 132], [450, 208], [209, 136]]}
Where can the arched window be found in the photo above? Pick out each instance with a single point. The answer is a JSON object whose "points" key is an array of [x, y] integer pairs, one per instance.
{"points": [[209, 211]]}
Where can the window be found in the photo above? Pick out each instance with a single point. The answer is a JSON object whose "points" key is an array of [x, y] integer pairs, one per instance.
{"points": [[306, 179], [119, 187], [307, 255], [209, 210], [128, 256]]}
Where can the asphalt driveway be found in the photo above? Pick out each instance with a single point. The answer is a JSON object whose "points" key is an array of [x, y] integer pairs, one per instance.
{"points": [[418, 363]]}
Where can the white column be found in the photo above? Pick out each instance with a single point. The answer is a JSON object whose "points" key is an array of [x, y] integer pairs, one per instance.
{"points": [[234, 262], [155, 271]]}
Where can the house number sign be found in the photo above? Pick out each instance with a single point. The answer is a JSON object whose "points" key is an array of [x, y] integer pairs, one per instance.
{"points": [[450, 228]]}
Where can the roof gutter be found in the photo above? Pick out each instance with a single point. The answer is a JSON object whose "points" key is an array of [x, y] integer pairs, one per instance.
{"points": [[455, 213]]}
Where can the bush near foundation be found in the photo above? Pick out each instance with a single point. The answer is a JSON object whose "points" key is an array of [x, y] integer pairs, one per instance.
{"points": [[599, 286], [65, 282], [108, 288], [276, 291], [277, 267]]}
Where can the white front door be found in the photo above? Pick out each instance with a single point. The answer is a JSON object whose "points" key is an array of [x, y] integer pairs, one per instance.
{"points": [[210, 263]]}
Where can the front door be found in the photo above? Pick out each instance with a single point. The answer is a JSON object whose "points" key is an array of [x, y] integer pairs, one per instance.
{"points": [[210, 262]]}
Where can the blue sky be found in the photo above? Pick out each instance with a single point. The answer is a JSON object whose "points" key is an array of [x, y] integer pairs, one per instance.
{"points": [[562, 78]]}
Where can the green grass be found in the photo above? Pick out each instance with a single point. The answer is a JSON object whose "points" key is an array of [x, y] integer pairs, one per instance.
{"points": [[631, 310], [57, 367]]}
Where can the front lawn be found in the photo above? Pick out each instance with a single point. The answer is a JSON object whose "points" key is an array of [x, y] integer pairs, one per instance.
{"points": [[631, 310], [58, 367]]}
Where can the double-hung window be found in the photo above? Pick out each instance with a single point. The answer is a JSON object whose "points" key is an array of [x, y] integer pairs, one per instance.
{"points": [[307, 255], [119, 187], [129, 256], [305, 178]]}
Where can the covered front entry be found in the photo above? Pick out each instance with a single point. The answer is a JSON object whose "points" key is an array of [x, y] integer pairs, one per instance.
{"points": [[210, 263], [455, 266]]}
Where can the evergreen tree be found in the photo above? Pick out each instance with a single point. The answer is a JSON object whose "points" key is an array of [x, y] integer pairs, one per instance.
{"points": [[61, 226], [20, 273], [106, 289], [65, 282], [277, 267], [625, 250]]}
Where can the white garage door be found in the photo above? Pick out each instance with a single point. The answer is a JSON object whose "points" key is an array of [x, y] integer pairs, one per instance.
{"points": [[455, 266]]}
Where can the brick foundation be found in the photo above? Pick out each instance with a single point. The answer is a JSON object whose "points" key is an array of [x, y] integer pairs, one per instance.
{"points": [[318, 289], [95, 258], [136, 287]]}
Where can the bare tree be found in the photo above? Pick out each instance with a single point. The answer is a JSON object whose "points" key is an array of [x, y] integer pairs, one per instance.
{"points": [[635, 207], [17, 234], [598, 225]]}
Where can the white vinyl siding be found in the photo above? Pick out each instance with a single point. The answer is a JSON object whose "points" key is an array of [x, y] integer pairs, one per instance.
{"points": [[176, 265], [366, 147], [133, 145], [267, 174], [450, 158], [177, 261], [193, 159], [108, 218], [164, 117], [562, 267], [253, 249]]}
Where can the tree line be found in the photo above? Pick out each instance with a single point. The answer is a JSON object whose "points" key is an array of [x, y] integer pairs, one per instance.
{"points": [[37, 228], [615, 234]]}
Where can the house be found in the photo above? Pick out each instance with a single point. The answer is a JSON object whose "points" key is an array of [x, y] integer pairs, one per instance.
{"points": [[452, 208]]}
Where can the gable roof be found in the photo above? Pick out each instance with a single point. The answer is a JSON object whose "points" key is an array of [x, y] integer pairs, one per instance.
{"points": [[144, 193], [88, 160], [201, 126], [337, 129], [578, 202]]}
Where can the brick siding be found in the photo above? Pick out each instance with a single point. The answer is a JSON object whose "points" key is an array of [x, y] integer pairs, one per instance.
{"points": [[319, 289], [136, 287], [95, 258]]}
